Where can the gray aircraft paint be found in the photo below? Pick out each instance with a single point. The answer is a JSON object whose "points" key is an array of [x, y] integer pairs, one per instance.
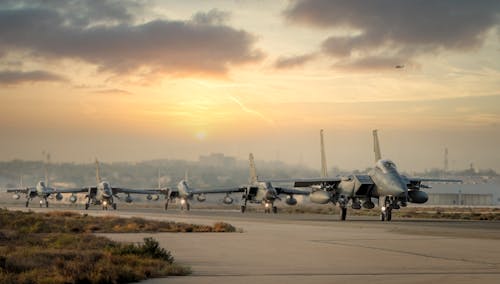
{"points": [[104, 194], [263, 192], [42, 190], [383, 182], [184, 193]]}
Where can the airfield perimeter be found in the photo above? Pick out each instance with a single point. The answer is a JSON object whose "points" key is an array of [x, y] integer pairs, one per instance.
{"points": [[310, 248]]}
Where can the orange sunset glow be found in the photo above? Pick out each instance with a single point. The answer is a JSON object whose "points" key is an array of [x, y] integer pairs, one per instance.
{"points": [[137, 80]]}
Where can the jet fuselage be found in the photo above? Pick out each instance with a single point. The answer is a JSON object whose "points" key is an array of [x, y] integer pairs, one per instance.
{"points": [[266, 192], [104, 193], [387, 180]]}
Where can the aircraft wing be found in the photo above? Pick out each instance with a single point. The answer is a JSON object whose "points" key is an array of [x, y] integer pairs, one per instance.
{"points": [[20, 190], [412, 179], [283, 190], [308, 182], [138, 191], [217, 190], [72, 190], [416, 183]]}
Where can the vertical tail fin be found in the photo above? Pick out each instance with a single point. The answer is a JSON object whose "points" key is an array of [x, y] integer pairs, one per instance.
{"points": [[46, 162], [376, 146], [324, 172], [159, 179], [97, 172], [253, 171]]}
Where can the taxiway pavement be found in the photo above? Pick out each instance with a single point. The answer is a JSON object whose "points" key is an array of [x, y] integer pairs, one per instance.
{"points": [[309, 248]]}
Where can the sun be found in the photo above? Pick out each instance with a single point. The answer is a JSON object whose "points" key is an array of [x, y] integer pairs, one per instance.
{"points": [[201, 135]]}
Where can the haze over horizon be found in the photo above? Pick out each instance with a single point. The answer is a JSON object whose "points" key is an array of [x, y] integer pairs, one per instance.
{"points": [[142, 80]]}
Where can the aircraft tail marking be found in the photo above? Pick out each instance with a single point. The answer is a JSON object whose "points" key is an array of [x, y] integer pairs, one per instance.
{"points": [[324, 172], [97, 172], [253, 171], [46, 162], [376, 146]]}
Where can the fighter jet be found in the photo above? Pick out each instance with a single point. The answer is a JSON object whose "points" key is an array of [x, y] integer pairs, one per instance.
{"points": [[383, 182], [104, 194], [263, 192], [42, 190], [184, 193]]}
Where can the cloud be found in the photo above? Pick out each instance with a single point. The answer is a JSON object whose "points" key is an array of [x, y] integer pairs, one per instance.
{"points": [[293, 61], [374, 63], [118, 45], [19, 77], [112, 92], [212, 17], [251, 111], [83, 13], [400, 29]]}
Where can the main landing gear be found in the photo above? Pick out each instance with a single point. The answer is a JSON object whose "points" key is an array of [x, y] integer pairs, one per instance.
{"points": [[386, 206], [386, 215], [41, 203], [270, 207], [343, 213], [188, 206], [243, 203]]}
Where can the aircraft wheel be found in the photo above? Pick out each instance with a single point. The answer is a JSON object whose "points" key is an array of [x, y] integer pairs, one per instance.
{"points": [[114, 206], [27, 203], [243, 208], [343, 213], [275, 209], [188, 206], [389, 215], [382, 216], [86, 206], [47, 204]]}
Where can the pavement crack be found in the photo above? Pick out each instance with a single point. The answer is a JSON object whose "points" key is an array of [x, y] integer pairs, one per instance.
{"points": [[386, 249]]}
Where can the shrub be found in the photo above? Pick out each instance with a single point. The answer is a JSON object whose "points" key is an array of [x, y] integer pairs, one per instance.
{"points": [[45, 248], [150, 248], [223, 227]]}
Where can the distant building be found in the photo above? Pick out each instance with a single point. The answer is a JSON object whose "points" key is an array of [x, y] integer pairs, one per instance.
{"points": [[217, 160], [460, 199], [464, 194]]}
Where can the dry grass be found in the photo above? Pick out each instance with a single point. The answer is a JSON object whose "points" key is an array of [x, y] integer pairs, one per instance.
{"points": [[431, 212], [69, 222], [456, 213], [59, 247]]}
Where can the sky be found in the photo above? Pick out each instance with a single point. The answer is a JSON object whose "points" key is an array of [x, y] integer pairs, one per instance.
{"points": [[139, 80]]}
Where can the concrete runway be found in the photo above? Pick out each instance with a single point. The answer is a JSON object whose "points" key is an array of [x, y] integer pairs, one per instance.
{"points": [[308, 248]]}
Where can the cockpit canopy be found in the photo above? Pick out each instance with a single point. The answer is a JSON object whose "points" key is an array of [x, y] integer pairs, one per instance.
{"points": [[266, 184], [386, 166]]}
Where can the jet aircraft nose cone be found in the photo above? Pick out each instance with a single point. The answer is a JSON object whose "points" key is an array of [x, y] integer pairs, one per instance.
{"points": [[399, 189], [106, 193], [271, 195]]}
